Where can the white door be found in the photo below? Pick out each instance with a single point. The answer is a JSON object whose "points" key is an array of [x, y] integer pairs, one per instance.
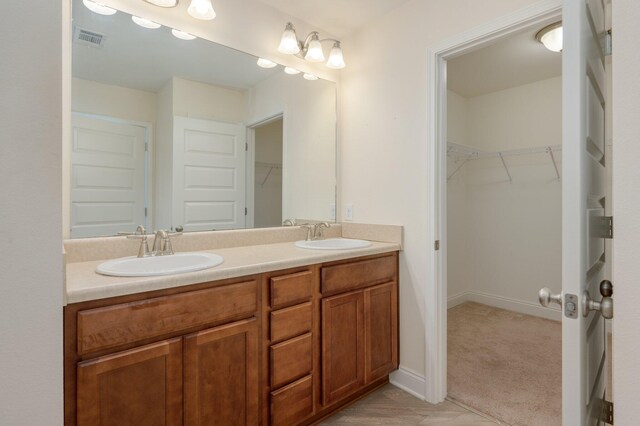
{"points": [[107, 176], [208, 174], [583, 203]]}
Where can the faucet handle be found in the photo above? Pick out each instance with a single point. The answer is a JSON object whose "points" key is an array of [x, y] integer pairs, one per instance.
{"points": [[319, 230], [310, 230], [139, 232]]}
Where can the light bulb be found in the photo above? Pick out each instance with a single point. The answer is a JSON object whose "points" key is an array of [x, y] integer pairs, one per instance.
{"points": [[146, 23], [182, 35], [99, 8], [289, 41], [291, 71], [265, 63], [310, 77], [336, 60], [314, 50], [201, 9]]}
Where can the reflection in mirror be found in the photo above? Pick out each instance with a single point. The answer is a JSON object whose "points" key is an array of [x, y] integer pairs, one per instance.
{"points": [[169, 132]]}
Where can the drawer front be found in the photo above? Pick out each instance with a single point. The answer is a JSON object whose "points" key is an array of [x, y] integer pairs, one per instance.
{"points": [[292, 403], [291, 322], [291, 289], [291, 360], [364, 273], [111, 326]]}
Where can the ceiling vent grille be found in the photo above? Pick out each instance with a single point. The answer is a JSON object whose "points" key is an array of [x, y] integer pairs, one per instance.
{"points": [[89, 38]]}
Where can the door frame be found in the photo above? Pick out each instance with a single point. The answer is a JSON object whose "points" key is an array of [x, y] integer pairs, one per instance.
{"points": [[435, 295]]}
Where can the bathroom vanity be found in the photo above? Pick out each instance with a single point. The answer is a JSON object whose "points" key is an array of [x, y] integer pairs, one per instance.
{"points": [[283, 347]]}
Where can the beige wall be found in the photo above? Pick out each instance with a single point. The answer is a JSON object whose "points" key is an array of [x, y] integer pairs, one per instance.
{"points": [[626, 205], [208, 102], [30, 213], [384, 136], [268, 193]]}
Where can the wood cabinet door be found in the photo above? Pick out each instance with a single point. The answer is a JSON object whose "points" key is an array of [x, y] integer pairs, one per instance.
{"points": [[141, 386], [381, 331], [221, 375], [342, 345]]}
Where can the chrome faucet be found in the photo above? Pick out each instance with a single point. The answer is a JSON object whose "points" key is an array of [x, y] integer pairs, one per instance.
{"points": [[162, 243], [139, 234], [318, 230], [310, 231], [289, 222]]}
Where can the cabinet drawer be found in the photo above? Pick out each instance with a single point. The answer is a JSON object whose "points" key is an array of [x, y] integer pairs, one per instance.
{"points": [[111, 326], [290, 289], [350, 276], [291, 322], [291, 360], [292, 403]]}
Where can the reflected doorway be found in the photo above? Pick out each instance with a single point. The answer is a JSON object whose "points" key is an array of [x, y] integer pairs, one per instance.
{"points": [[268, 174]]}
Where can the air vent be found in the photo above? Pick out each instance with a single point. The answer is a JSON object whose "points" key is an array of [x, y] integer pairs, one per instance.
{"points": [[89, 38]]}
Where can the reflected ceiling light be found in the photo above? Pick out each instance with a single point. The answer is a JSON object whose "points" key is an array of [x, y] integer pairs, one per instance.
{"points": [[551, 37], [201, 9], [146, 23], [311, 49], [311, 77], [291, 71], [99, 8], [182, 35], [163, 3], [265, 63]]}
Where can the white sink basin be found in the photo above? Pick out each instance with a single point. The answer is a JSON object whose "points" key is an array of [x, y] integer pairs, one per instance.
{"points": [[333, 244], [159, 265]]}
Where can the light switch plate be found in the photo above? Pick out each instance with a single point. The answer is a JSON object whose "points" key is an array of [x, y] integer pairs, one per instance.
{"points": [[348, 211]]}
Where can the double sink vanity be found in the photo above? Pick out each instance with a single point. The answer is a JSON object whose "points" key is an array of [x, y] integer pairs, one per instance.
{"points": [[274, 334]]}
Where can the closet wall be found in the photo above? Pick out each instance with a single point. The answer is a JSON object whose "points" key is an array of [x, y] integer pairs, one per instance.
{"points": [[505, 237]]}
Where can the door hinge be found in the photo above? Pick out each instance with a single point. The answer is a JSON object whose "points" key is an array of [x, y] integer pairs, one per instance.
{"points": [[607, 412], [146, 146], [607, 43], [145, 212], [245, 211], [603, 227], [246, 147], [437, 245]]}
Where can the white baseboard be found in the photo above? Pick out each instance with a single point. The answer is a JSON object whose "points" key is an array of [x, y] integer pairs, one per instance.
{"points": [[521, 306], [409, 381]]}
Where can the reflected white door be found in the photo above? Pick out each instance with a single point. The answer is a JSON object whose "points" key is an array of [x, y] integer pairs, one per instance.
{"points": [[107, 176], [208, 174], [583, 203]]}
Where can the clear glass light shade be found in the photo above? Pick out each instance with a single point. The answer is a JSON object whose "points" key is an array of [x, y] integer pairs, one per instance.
{"points": [[291, 71], [146, 23], [310, 77], [98, 8], [265, 63], [552, 39], [201, 9], [336, 60], [182, 35], [163, 3], [314, 51], [289, 41]]}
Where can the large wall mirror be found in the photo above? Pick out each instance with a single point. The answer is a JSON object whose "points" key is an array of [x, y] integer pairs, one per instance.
{"points": [[172, 133]]}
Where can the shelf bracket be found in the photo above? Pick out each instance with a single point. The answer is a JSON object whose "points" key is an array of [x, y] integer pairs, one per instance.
{"points": [[506, 169], [553, 160], [457, 169]]}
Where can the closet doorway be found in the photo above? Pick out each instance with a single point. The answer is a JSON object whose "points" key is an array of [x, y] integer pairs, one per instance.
{"points": [[504, 230], [268, 155]]}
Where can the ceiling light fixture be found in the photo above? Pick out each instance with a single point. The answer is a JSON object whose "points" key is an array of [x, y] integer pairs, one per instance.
{"points": [[265, 63], [201, 9], [163, 3], [551, 37], [311, 77], [291, 71], [99, 8], [311, 48], [182, 35], [146, 23]]}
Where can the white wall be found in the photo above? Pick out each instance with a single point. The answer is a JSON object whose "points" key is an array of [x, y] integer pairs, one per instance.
{"points": [[30, 213], [626, 205], [505, 238], [208, 102], [163, 153], [268, 193], [384, 136]]}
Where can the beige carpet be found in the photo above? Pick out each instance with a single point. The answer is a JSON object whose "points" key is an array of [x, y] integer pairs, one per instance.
{"points": [[505, 364]]}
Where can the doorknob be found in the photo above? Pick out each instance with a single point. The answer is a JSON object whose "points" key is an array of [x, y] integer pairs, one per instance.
{"points": [[605, 306], [545, 297]]}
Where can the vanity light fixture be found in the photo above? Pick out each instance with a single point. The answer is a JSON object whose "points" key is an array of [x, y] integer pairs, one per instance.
{"points": [[146, 23], [182, 35], [311, 48], [310, 77], [551, 37], [201, 9], [291, 71], [163, 3], [265, 63], [98, 8]]}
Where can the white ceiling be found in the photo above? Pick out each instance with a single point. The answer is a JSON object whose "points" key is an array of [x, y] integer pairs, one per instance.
{"points": [[145, 59], [517, 60], [338, 17]]}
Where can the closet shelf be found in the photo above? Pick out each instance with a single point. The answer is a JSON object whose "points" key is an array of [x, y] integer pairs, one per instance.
{"points": [[467, 153]]}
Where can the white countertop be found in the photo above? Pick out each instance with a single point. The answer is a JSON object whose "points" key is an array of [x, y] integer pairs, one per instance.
{"points": [[84, 284]]}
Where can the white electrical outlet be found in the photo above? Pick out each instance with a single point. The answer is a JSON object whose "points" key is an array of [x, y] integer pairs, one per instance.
{"points": [[332, 211], [348, 211]]}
